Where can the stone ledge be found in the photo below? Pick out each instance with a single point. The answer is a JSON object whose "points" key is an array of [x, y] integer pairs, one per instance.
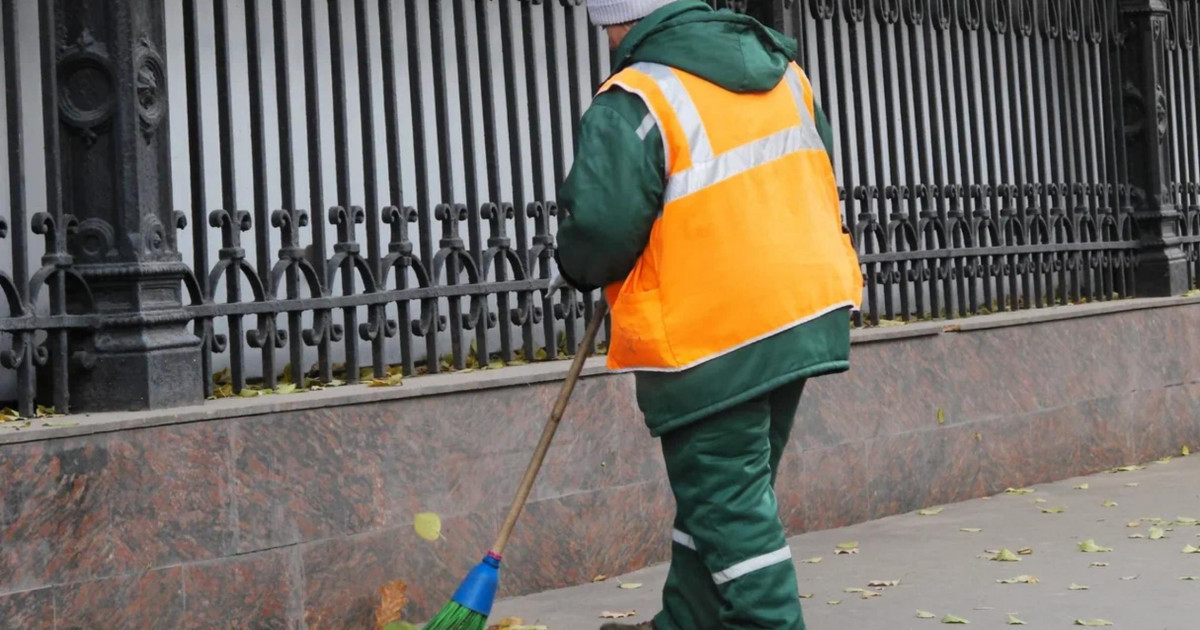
{"points": [[516, 376]]}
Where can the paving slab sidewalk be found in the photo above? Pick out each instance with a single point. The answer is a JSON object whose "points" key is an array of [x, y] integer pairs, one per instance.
{"points": [[945, 571]]}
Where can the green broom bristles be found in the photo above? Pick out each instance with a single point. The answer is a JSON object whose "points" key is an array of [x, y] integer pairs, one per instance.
{"points": [[455, 616]]}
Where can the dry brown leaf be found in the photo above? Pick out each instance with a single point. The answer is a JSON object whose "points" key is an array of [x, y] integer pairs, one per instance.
{"points": [[600, 578], [1020, 579], [392, 600], [1025, 551], [871, 594]]}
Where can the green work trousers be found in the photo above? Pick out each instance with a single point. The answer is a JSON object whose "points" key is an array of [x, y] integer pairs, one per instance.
{"points": [[731, 568]]}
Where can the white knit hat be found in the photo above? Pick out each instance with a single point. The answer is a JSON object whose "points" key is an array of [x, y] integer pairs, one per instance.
{"points": [[609, 12]]}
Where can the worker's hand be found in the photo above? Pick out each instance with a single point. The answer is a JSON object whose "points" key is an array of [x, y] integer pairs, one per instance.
{"points": [[557, 282]]}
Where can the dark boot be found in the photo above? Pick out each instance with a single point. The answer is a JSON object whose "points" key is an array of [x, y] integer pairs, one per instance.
{"points": [[645, 625]]}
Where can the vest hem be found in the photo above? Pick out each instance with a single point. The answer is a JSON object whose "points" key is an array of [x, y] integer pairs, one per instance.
{"points": [[819, 369]]}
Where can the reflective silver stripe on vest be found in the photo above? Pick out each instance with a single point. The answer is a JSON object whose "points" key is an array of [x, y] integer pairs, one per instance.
{"points": [[707, 169], [796, 85], [683, 105], [737, 161]]}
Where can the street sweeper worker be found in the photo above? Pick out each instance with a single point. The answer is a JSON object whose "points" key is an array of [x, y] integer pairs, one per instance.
{"points": [[703, 201]]}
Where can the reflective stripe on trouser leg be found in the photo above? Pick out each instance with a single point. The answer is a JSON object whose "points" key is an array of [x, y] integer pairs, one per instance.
{"points": [[690, 599], [720, 473]]}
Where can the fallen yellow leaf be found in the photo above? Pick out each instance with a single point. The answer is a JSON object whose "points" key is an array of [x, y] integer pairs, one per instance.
{"points": [[1077, 587], [1082, 486], [1090, 546], [954, 620], [970, 530], [1054, 510], [813, 560], [1013, 621], [629, 586], [834, 602], [1004, 555], [921, 614], [931, 511], [428, 526], [617, 615], [389, 381], [882, 583], [1020, 579], [1092, 622], [1157, 533], [1019, 491], [1109, 504]]}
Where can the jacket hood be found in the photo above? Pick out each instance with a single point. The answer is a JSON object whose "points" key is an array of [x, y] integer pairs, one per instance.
{"points": [[731, 50]]}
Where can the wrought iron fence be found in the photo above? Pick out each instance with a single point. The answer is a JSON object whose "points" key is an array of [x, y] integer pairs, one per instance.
{"points": [[367, 186]]}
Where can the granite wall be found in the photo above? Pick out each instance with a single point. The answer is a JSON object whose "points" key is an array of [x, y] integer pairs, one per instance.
{"points": [[290, 514]]}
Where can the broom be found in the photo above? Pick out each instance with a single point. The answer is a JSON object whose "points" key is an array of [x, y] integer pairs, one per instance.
{"points": [[472, 602]]}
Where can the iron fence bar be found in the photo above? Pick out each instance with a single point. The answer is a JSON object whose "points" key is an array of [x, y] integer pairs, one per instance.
{"points": [[289, 218], [522, 201], [497, 256], [399, 258], [326, 332], [199, 187], [345, 216], [477, 319], [447, 211], [429, 322], [364, 299], [16, 287], [377, 329], [55, 225], [232, 220], [264, 336]]}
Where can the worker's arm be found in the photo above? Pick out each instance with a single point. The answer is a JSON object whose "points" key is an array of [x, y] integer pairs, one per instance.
{"points": [[613, 193]]}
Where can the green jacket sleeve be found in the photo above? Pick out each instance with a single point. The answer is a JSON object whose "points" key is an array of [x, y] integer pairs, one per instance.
{"points": [[613, 193]]}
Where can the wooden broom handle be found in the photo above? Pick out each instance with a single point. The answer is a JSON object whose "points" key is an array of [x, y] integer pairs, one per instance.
{"points": [[539, 455]]}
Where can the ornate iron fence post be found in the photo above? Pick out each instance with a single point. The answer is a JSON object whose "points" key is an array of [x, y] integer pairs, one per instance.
{"points": [[107, 91], [770, 12], [1162, 267]]}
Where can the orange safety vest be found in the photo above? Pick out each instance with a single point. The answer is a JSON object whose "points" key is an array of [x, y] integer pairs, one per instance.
{"points": [[749, 242]]}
